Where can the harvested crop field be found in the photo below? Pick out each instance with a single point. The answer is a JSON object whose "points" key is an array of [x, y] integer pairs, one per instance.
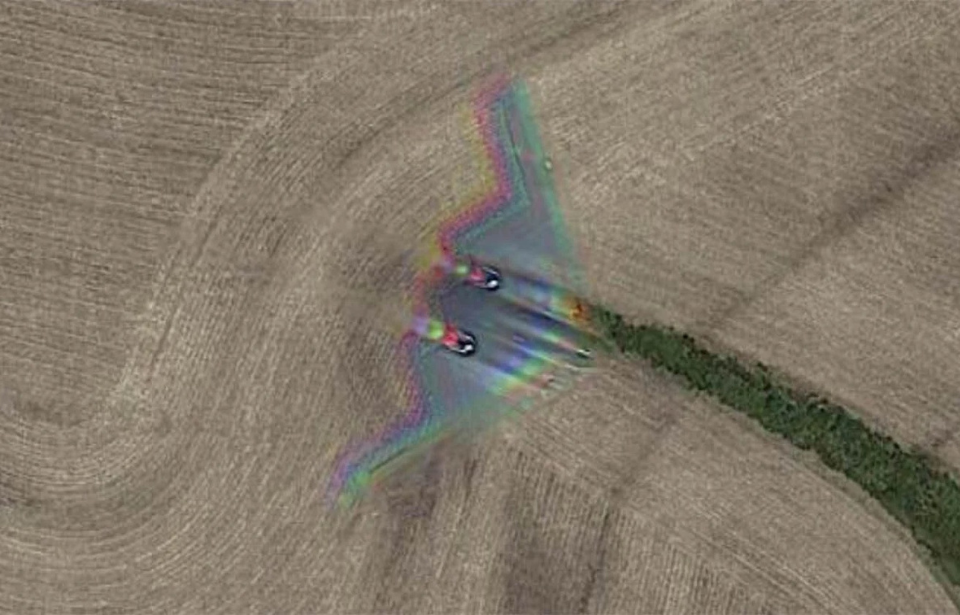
{"points": [[205, 213]]}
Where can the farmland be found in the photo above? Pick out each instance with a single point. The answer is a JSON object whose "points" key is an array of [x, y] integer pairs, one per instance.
{"points": [[205, 217]]}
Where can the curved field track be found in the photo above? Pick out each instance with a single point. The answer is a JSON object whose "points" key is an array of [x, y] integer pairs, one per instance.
{"points": [[206, 221]]}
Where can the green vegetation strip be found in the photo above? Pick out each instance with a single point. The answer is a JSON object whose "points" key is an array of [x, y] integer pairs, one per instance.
{"points": [[924, 499]]}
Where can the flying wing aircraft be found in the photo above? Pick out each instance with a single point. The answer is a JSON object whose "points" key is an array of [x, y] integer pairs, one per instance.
{"points": [[530, 331]]}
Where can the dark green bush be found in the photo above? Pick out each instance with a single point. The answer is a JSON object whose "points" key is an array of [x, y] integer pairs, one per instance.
{"points": [[924, 499]]}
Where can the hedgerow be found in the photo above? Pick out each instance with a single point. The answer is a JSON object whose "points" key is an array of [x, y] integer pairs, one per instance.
{"points": [[924, 499]]}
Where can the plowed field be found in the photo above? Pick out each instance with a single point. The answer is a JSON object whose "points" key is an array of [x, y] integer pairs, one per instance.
{"points": [[206, 214]]}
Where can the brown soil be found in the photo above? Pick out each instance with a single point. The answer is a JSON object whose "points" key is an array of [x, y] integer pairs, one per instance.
{"points": [[206, 219]]}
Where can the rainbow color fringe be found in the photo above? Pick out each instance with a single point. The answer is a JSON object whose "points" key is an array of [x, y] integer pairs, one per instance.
{"points": [[515, 179]]}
